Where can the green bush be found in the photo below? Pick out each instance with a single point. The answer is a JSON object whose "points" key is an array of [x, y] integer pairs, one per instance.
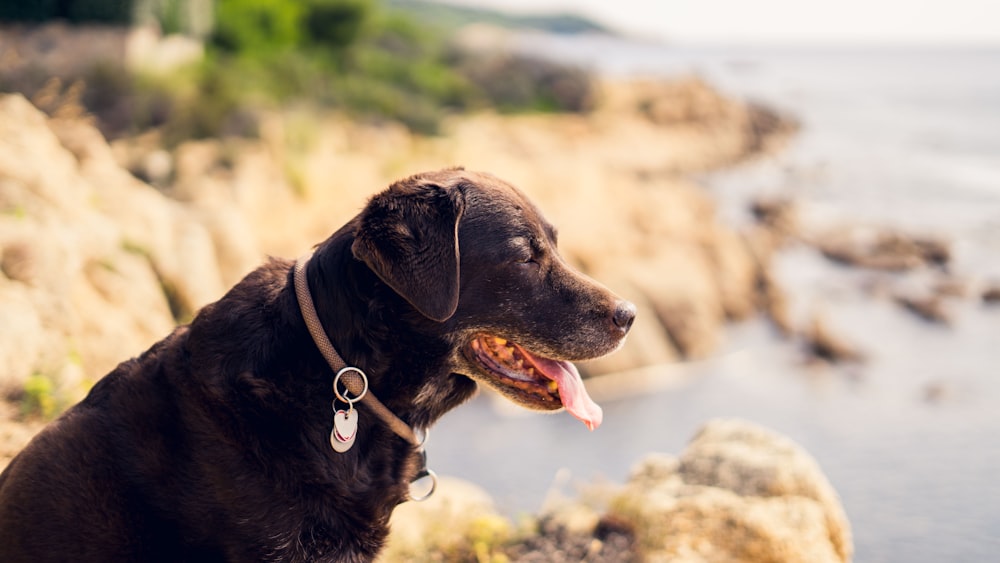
{"points": [[336, 24], [349, 54], [257, 26]]}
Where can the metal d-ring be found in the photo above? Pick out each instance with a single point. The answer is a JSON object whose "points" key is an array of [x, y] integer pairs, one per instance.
{"points": [[434, 481], [421, 436], [337, 380]]}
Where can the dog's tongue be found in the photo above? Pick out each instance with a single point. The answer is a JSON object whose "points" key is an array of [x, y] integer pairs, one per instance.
{"points": [[571, 390]]}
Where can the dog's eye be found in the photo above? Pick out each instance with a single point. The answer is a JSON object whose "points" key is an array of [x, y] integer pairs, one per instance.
{"points": [[527, 261]]}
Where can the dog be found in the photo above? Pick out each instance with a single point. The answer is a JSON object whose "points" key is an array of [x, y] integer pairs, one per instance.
{"points": [[214, 445]]}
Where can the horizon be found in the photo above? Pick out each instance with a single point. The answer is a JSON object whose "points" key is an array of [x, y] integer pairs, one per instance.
{"points": [[959, 23]]}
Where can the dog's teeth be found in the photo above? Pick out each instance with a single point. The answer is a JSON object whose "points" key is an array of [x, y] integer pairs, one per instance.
{"points": [[531, 371], [519, 364], [553, 386], [499, 341]]}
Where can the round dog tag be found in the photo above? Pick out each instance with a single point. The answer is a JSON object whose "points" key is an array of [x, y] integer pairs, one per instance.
{"points": [[345, 430]]}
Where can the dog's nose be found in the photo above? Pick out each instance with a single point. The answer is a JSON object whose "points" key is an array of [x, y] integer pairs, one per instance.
{"points": [[624, 315]]}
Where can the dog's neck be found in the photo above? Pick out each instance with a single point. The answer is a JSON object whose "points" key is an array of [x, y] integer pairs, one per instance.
{"points": [[355, 389], [368, 324], [353, 379]]}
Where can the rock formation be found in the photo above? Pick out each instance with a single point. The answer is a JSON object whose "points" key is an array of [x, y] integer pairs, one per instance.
{"points": [[96, 265], [738, 492]]}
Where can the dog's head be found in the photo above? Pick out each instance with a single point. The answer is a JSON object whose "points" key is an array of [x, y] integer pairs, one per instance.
{"points": [[477, 260]]}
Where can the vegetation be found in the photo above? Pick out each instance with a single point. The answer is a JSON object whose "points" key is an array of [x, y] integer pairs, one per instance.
{"points": [[103, 11], [371, 60], [450, 16]]}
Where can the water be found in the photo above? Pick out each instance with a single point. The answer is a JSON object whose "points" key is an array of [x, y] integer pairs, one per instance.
{"points": [[902, 137]]}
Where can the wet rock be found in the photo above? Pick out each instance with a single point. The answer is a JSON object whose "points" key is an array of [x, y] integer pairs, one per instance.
{"points": [[930, 308], [991, 295], [822, 344], [761, 243], [774, 303], [951, 286], [884, 249], [937, 392], [737, 493], [736, 272], [777, 214]]}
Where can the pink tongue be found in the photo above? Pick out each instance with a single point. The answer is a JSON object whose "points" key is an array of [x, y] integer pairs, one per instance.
{"points": [[571, 390]]}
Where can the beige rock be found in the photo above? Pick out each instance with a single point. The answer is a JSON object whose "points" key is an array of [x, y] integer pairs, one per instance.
{"points": [[450, 522], [22, 336], [88, 254], [737, 493]]}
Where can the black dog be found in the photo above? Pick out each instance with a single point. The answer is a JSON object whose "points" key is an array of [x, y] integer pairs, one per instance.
{"points": [[214, 445]]}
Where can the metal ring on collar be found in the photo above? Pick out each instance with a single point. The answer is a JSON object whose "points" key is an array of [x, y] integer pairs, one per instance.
{"points": [[336, 380], [434, 481], [421, 436]]}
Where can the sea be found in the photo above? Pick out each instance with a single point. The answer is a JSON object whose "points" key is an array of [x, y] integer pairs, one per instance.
{"points": [[906, 138]]}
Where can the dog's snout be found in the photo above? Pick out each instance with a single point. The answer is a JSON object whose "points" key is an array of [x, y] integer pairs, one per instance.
{"points": [[624, 315]]}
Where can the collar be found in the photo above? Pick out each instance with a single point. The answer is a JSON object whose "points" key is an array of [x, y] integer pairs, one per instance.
{"points": [[355, 380]]}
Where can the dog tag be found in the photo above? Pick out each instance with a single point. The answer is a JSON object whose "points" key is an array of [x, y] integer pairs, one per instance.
{"points": [[345, 430]]}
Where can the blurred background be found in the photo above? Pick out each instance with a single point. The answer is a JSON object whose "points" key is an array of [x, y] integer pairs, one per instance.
{"points": [[803, 201]]}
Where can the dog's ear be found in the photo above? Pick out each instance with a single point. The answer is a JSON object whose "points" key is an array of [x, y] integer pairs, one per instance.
{"points": [[408, 236]]}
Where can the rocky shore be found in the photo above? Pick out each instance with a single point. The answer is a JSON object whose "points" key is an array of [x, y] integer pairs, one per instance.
{"points": [[98, 264], [738, 492], [105, 248]]}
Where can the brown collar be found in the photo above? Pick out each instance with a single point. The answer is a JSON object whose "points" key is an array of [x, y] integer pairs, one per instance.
{"points": [[353, 378]]}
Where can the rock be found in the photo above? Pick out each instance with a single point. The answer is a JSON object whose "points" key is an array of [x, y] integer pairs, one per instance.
{"points": [[692, 102], [458, 520], [14, 435], [96, 264], [608, 542], [822, 344], [774, 303], [930, 308], [648, 344], [737, 493], [950, 286], [883, 249], [22, 338], [991, 295], [735, 271], [937, 392], [777, 214]]}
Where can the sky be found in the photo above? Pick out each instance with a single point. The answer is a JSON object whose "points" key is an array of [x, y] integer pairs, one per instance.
{"points": [[936, 22]]}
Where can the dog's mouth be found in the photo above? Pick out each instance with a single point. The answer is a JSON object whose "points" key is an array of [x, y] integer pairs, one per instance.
{"points": [[536, 381]]}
